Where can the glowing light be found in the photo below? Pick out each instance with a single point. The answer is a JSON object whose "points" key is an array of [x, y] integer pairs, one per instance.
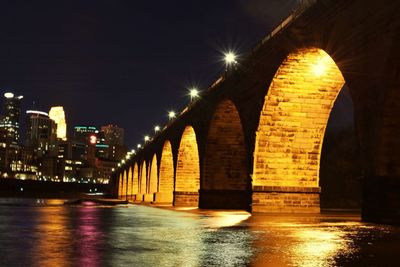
{"points": [[171, 114], [139, 145], [133, 151], [230, 58], [147, 138], [194, 93], [156, 128], [57, 114], [318, 247], [8, 95], [227, 219], [119, 164], [321, 66], [37, 112], [123, 161], [92, 139]]}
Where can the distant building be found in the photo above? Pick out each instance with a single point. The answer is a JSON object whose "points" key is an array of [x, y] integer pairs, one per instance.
{"points": [[10, 150], [113, 134], [57, 114], [41, 133], [9, 125], [114, 138], [102, 148], [82, 133]]}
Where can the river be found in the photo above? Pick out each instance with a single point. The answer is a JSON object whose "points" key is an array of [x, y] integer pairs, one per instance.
{"points": [[46, 233]]}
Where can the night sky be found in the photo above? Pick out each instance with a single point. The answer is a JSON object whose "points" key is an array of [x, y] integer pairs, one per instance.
{"points": [[124, 62]]}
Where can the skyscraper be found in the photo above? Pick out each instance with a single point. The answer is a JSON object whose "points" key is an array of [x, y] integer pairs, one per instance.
{"points": [[9, 125], [114, 138], [57, 114], [40, 133]]}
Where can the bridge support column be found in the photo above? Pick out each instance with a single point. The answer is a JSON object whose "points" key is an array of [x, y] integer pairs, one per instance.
{"points": [[286, 199], [224, 199], [186, 199], [148, 198], [138, 198], [381, 199], [163, 198]]}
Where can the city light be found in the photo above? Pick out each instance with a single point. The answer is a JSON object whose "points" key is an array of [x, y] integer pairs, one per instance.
{"points": [[93, 139], [230, 58], [147, 138], [8, 95], [156, 128], [37, 112], [171, 114], [133, 151], [123, 161], [194, 93], [139, 145]]}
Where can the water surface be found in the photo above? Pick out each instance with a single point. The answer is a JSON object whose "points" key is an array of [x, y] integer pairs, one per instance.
{"points": [[47, 233]]}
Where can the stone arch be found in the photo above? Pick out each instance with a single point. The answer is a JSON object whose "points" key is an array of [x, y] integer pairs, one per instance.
{"points": [[143, 178], [120, 185], [129, 184], [291, 130], [187, 180], [135, 179], [166, 175], [124, 184], [225, 177], [153, 177]]}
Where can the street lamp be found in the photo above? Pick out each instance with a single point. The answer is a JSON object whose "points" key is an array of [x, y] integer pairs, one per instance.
{"points": [[146, 138], [156, 128], [230, 58], [139, 145], [194, 93], [171, 114]]}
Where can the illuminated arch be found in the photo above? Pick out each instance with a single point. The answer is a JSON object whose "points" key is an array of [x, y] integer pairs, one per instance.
{"points": [[120, 185], [293, 120], [225, 157], [153, 177], [188, 166], [143, 178], [124, 184], [129, 184], [166, 176], [135, 180]]}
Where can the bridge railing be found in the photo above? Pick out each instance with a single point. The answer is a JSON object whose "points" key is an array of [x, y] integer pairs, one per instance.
{"points": [[297, 12]]}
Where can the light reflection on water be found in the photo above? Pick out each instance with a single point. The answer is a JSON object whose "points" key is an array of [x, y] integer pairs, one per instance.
{"points": [[51, 235]]}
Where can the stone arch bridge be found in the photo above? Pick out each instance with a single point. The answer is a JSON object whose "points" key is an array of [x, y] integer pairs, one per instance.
{"points": [[253, 140]]}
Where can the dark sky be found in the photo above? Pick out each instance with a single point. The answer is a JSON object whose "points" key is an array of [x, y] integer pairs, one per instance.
{"points": [[123, 62]]}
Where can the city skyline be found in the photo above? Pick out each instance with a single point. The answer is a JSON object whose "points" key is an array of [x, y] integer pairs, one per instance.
{"points": [[24, 113]]}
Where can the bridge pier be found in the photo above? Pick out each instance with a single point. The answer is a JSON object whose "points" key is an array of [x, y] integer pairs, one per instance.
{"points": [[381, 199], [138, 198], [186, 199], [163, 198], [286, 199], [148, 197], [224, 199]]}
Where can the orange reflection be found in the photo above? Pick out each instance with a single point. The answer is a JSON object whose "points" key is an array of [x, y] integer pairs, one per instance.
{"points": [[226, 219], [52, 233], [318, 247]]}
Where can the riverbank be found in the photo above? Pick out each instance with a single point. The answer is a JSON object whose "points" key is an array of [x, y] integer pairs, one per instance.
{"points": [[46, 189]]}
